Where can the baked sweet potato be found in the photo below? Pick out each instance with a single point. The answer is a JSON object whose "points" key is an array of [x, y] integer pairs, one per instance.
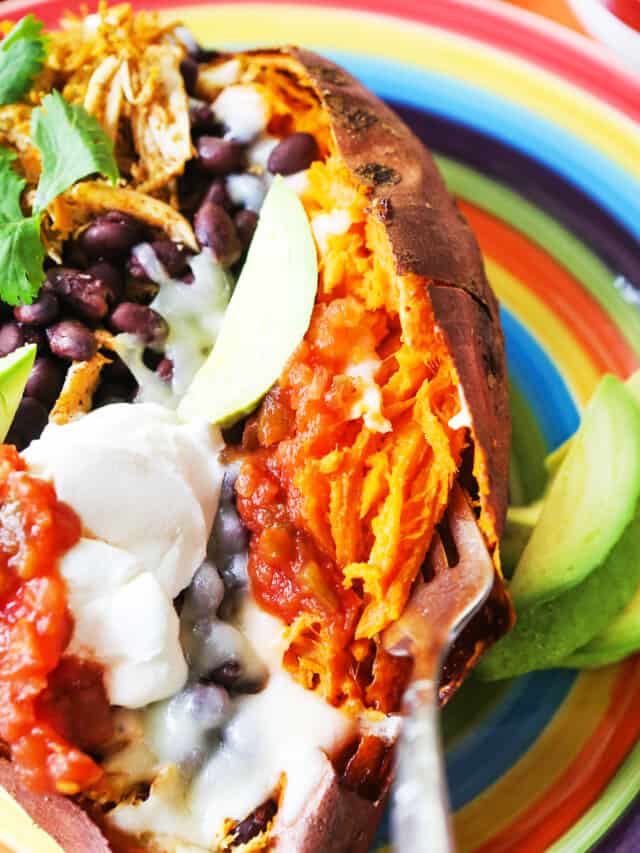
{"points": [[397, 391]]}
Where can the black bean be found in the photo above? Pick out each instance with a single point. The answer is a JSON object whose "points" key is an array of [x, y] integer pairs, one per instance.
{"points": [[219, 156], [205, 592], [293, 154], [34, 335], [85, 295], [116, 371], [217, 193], [30, 419], [214, 228], [111, 235], [201, 117], [256, 823], [245, 222], [11, 337], [231, 535], [41, 312], [139, 320], [227, 675], [189, 71], [165, 370], [111, 278], [228, 489], [72, 341], [112, 392], [192, 185], [205, 705], [45, 381]]}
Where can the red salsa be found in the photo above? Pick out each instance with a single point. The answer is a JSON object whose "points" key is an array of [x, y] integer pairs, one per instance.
{"points": [[52, 707]]}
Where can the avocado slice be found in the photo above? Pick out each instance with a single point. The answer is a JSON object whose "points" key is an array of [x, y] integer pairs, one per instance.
{"points": [[620, 638], [267, 317], [14, 373], [546, 634], [591, 500]]}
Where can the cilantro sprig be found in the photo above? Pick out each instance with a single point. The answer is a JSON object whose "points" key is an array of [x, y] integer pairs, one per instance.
{"points": [[72, 146], [22, 56]]}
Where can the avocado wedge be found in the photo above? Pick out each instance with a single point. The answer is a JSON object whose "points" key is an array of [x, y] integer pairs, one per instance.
{"points": [[620, 638], [546, 634], [14, 373], [267, 316], [590, 501]]}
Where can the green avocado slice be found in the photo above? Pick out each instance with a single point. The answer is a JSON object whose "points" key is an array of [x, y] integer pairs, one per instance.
{"points": [[14, 373], [591, 500], [267, 316], [546, 634], [621, 637]]}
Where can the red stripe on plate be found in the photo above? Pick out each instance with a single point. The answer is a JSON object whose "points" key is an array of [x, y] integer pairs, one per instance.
{"points": [[548, 45]]}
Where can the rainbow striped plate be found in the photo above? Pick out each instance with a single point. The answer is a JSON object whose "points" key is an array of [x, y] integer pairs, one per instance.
{"points": [[537, 132]]}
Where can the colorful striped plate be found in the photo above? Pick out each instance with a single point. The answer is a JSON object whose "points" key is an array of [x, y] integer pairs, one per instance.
{"points": [[536, 131]]}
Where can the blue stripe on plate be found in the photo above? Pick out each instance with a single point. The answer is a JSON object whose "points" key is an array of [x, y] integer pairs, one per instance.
{"points": [[506, 733], [542, 384]]}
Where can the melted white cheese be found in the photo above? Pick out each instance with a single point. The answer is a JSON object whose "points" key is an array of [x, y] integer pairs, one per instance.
{"points": [[247, 191], [285, 729], [194, 314], [324, 225], [243, 111], [146, 489], [463, 417], [258, 154], [369, 405]]}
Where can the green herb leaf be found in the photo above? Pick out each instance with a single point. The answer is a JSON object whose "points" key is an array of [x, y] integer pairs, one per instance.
{"points": [[21, 260], [22, 55], [11, 186], [72, 145]]}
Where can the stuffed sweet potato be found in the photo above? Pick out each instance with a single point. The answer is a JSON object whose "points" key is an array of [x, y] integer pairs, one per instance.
{"points": [[263, 713]]}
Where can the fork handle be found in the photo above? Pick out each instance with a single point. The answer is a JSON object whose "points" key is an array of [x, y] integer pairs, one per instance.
{"points": [[420, 813]]}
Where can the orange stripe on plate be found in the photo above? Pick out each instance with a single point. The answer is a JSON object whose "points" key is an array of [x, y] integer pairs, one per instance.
{"points": [[584, 779], [556, 288]]}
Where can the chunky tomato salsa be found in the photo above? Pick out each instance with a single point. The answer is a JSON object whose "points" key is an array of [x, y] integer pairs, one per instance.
{"points": [[52, 707]]}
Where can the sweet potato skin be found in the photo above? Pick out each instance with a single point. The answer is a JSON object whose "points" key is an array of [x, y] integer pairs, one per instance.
{"points": [[334, 820], [59, 816]]}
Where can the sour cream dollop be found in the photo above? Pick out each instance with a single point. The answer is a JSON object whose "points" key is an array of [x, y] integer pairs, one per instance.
{"points": [[145, 486]]}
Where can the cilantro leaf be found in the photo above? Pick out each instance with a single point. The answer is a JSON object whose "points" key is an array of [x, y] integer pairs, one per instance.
{"points": [[21, 260], [72, 145], [22, 55], [11, 186]]}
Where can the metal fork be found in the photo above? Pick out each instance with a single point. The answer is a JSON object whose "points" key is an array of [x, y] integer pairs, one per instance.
{"points": [[436, 613]]}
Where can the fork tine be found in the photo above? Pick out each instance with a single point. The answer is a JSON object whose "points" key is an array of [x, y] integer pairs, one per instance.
{"points": [[436, 613]]}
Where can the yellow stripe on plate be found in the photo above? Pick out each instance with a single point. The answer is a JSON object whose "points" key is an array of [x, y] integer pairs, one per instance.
{"points": [[498, 72], [562, 347], [554, 750]]}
